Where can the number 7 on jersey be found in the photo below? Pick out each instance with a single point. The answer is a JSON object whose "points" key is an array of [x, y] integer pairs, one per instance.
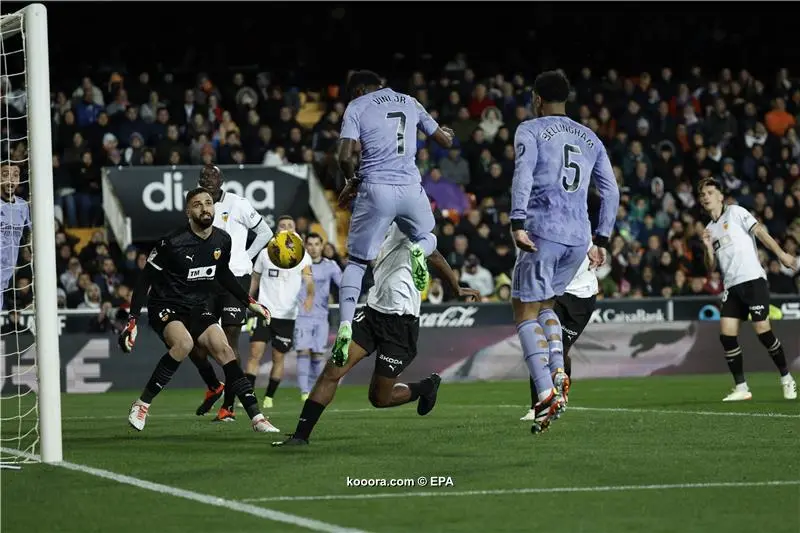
{"points": [[401, 130]]}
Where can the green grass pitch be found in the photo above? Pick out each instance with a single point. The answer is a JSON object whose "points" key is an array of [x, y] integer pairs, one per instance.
{"points": [[602, 468]]}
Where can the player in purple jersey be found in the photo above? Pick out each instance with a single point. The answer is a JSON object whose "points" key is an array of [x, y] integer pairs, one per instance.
{"points": [[388, 188], [311, 327], [15, 220], [555, 160]]}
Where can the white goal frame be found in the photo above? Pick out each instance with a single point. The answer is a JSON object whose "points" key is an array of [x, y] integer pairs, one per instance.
{"points": [[40, 154]]}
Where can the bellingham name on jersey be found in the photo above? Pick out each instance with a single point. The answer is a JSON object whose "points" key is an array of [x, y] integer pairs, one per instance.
{"points": [[556, 159]]}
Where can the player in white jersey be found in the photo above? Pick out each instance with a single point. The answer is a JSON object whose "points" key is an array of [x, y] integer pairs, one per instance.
{"points": [[15, 220], [574, 308], [389, 326], [279, 290], [238, 218], [729, 241]]}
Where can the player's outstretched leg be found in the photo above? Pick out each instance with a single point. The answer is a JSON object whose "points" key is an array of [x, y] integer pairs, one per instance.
{"points": [[386, 392], [177, 338], [552, 331], [321, 396], [775, 351], [214, 387]]}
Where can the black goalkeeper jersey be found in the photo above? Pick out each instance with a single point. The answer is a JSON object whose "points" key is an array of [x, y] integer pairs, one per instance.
{"points": [[188, 268]]}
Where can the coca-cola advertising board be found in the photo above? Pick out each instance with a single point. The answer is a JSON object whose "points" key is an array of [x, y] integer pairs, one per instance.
{"points": [[462, 342], [454, 316]]}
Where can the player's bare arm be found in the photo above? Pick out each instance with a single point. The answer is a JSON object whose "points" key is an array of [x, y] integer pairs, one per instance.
{"points": [[708, 251], [762, 234], [255, 279], [308, 278], [444, 136], [438, 262]]}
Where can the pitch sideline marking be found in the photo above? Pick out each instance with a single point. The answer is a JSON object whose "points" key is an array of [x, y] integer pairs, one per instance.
{"points": [[502, 406], [496, 492], [231, 505]]}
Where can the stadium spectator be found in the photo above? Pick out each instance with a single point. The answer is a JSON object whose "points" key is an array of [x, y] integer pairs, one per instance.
{"points": [[663, 132], [446, 194], [477, 277]]}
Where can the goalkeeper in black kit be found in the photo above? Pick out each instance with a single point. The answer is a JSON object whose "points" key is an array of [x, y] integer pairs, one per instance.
{"points": [[181, 272]]}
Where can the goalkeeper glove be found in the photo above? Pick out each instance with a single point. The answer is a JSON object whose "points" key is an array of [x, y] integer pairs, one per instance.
{"points": [[128, 336], [259, 310], [250, 326]]}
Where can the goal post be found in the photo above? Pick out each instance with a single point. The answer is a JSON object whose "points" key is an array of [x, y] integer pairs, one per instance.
{"points": [[31, 21]]}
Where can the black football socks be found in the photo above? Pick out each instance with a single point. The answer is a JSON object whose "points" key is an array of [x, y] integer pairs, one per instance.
{"points": [[239, 385], [775, 351], [165, 369], [733, 356], [272, 387], [206, 372], [309, 417]]}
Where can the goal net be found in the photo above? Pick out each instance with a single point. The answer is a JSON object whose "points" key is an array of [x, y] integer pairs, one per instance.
{"points": [[30, 424]]}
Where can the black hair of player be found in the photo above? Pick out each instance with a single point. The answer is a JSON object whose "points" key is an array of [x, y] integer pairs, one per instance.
{"points": [[195, 192], [361, 80], [552, 87], [313, 235], [284, 217]]}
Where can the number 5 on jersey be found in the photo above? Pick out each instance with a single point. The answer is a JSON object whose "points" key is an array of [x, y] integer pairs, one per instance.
{"points": [[573, 184]]}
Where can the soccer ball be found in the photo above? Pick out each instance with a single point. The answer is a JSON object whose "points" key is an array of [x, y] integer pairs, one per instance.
{"points": [[286, 249]]}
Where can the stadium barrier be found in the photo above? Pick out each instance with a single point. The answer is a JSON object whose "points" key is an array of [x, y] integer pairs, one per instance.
{"points": [[142, 202], [460, 341]]}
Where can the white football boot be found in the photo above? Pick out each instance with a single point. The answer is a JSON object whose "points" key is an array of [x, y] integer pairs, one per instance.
{"points": [[789, 387], [262, 425], [138, 415], [739, 393], [530, 415]]}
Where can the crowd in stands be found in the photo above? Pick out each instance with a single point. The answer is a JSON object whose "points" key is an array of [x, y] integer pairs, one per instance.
{"points": [[662, 132]]}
